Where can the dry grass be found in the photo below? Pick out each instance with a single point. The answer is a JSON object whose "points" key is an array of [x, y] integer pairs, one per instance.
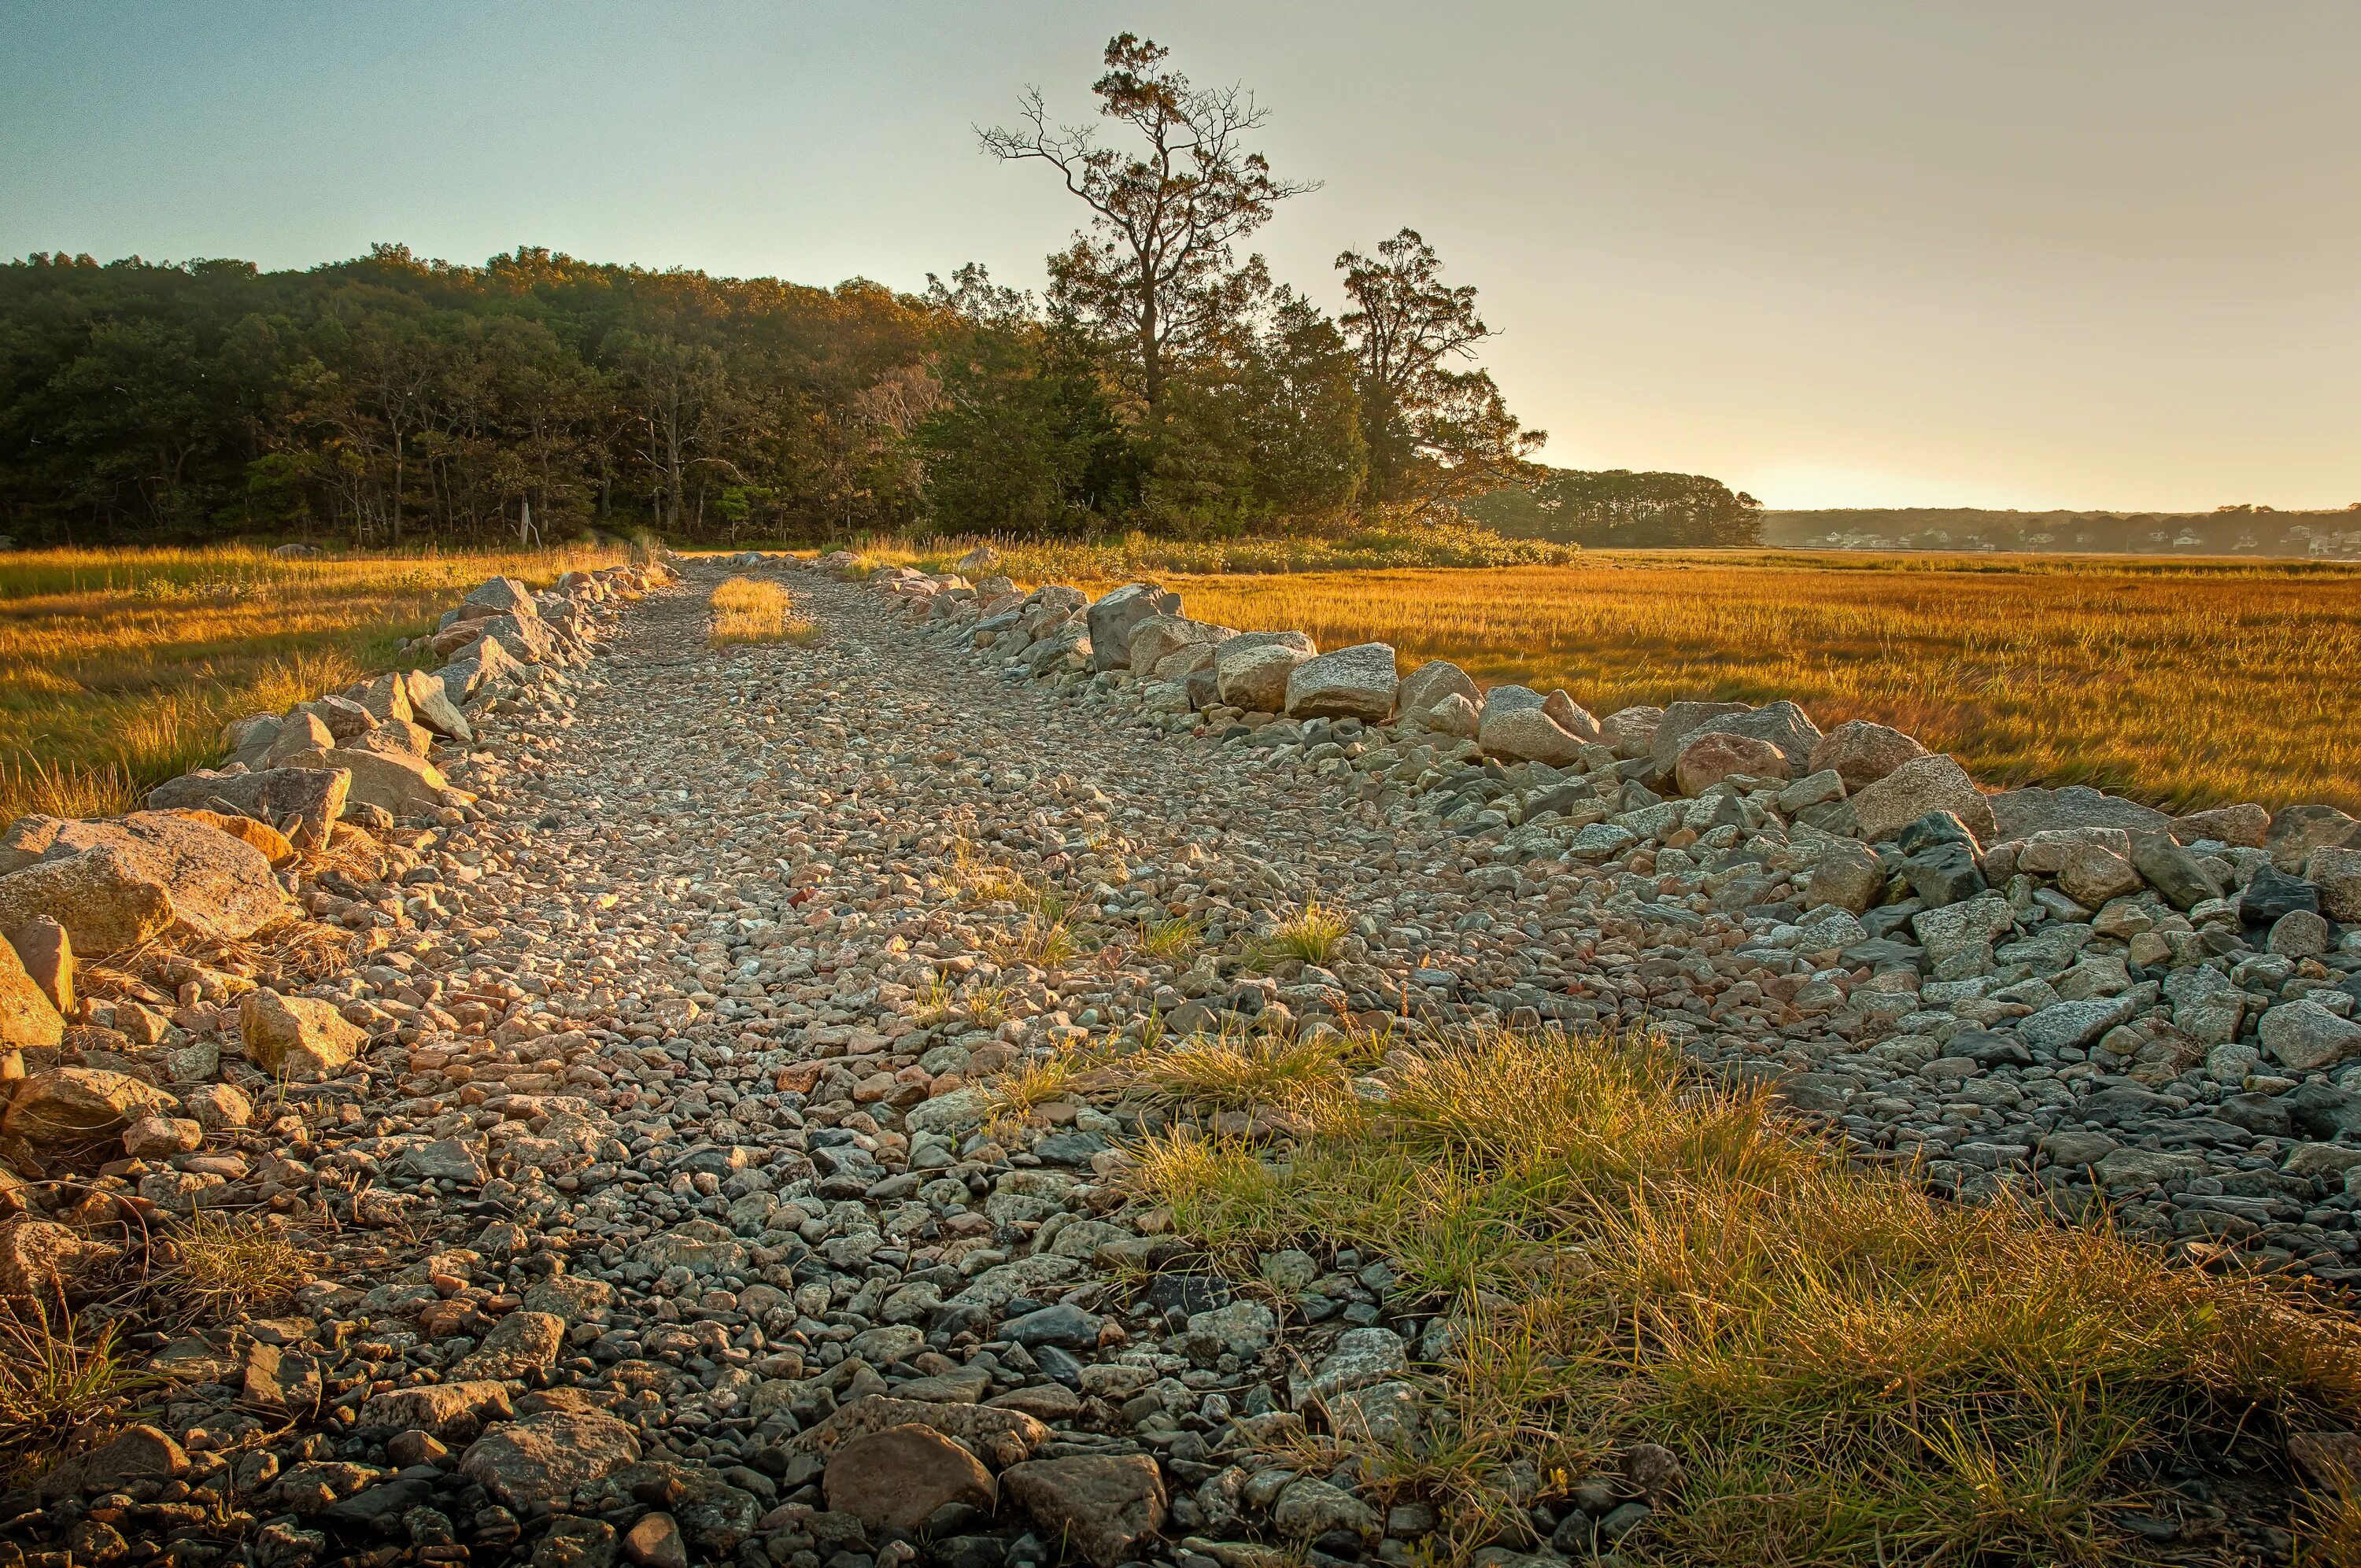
{"points": [[1175, 940], [118, 668], [1396, 543], [1017, 1092], [1309, 934], [754, 609], [228, 1267], [1849, 1371], [2183, 683], [53, 1380], [1243, 1072]]}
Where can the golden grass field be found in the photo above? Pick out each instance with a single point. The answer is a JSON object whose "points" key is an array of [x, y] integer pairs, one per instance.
{"points": [[2183, 684], [118, 668]]}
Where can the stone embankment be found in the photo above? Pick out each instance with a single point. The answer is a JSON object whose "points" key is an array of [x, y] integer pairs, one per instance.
{"points": [[630, 1042]]}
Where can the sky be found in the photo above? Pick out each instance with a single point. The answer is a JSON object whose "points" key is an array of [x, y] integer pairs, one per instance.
{"points": [[2103, 254]]}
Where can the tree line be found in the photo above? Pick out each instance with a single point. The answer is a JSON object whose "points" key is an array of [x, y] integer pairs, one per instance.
{"points": [[1163, 380], [391, 401], [1617, 509]]}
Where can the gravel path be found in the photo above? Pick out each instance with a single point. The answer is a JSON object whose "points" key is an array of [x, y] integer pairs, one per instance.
{"points": [[681, 1219]]}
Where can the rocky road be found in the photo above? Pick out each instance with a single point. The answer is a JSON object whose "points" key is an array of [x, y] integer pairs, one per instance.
{"points": [[680, 1211]]}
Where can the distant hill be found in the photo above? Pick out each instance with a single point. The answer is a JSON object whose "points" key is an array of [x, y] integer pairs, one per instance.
{"points": [[2228, 530]]}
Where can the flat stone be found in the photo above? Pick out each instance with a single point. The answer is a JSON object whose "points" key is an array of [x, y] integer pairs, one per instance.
{"points": [[1359, 681], [539, 1460], [896, 1477], [1102, 1506]]}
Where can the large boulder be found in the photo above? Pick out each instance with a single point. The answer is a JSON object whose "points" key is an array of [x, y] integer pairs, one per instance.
{"points": [[301, 731], [1933, 783], [299, 1034], [1677, 723], [1453, 715], [71, 1107], [386, 697], [1517, 726], [1571, 715], [1713, 755], [303, 803], [28, 1019], [1849, 875], [526, 637], [1632, 731], [1860, 752], [431, 705], [1112, 617], [500, 596], [274, 846], [118, 882], [1783, 724], [45, 1265], [2242, 825], [2022, 813], [1251, 670], [1428, 685], [2295, 831], [46, 951], [1359, 681], [1103, 1506], [2337, 873], [1158, 636], [395, 781], [479, 665]]}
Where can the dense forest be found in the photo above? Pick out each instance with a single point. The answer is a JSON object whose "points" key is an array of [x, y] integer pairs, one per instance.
{"points": [[1164, 381], [1619, 509]]}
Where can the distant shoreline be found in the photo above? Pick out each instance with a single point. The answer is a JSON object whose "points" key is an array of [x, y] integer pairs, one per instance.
{"points": [[2329, 535]]}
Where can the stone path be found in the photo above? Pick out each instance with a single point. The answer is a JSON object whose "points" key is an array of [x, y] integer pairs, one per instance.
{"points": [[679, 1217]]}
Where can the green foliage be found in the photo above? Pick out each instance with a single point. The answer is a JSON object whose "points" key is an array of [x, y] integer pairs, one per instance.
{"points": [[1022, 442], [1434, 433], [1619, 510], [397, 402]]}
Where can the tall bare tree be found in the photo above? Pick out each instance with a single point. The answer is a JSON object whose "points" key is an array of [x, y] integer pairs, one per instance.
{"points": [[1154, 271]]}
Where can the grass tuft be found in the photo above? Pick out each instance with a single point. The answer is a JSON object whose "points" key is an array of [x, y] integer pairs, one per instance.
{"points": [[229, 1267], [1247, 1072], [1309, 934], [1174, 941], [754, 609], [53, 1381], [1849, 1371]]}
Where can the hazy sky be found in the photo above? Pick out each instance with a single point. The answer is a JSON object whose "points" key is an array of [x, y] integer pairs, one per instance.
{"points": [[1860, 253]]}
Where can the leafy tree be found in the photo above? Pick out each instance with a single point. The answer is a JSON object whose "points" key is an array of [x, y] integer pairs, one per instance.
{"points": [[1021, 440], [1154, 274], [1434, 434]]}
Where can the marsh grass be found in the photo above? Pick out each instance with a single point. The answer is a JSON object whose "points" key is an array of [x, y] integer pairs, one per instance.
{"points": [[2183, 684], [1849, 1371], [119, 668], [755, 610], [1390, 543]]}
